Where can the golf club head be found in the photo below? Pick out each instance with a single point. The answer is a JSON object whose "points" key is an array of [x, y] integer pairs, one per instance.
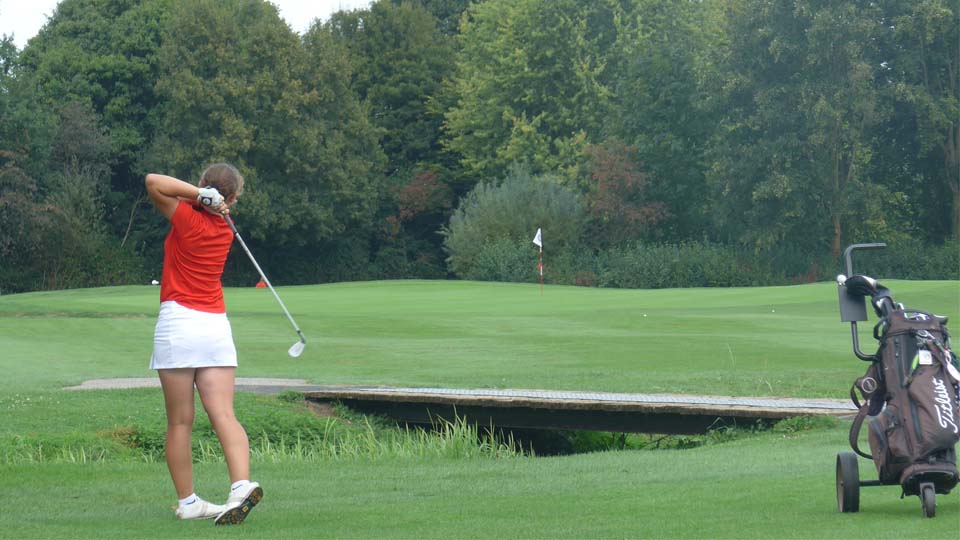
{"points": [[861, 285], [296, 349]]}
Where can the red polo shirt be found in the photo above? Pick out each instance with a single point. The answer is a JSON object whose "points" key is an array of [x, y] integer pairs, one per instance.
{"points": [[194, 253]]}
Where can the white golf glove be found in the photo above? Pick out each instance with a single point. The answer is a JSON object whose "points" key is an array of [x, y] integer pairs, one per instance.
{"points": [[209, 197]]}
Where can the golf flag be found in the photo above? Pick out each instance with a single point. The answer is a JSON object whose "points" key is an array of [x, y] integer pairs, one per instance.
{"points": [[537, 241]]}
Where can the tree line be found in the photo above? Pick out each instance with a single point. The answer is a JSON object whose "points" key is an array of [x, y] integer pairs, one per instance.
{"points": [[430, 138]]}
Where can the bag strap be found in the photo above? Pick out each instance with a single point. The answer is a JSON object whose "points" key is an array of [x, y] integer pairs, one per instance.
{"points": [[857, 424], [854, 398], [871, 386]]}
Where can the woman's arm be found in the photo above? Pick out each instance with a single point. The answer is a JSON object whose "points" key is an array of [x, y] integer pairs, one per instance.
{"points": [[166, 192]]}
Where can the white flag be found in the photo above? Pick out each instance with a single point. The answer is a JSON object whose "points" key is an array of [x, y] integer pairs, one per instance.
{"points": [[536, 239]]}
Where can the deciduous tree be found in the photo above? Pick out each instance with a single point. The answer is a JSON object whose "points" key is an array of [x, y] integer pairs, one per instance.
{"points": [[662, 54], [920, 58], [532, 84], [243, 88], [104, 54], [399, 60], [618, 199], [800, 101]]}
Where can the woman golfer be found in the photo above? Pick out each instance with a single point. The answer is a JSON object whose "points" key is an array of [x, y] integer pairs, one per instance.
{"points": [[193, 343]]}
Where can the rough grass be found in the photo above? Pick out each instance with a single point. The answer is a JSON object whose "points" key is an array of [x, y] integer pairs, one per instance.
{"points": [[129, 425], [772, 485]]}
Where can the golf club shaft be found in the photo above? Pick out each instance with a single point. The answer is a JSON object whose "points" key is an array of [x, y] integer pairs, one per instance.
{"points": [[263, 276]]}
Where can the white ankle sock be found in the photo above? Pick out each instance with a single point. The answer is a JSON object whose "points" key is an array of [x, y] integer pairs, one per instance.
{"points": [[238, 484], [189, 499]]}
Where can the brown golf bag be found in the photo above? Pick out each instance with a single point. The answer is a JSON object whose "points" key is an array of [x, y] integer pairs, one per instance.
{"points": [[911, 392]]}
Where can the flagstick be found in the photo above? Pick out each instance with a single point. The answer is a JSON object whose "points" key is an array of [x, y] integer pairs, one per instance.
{"points": [[538, 240], [541, 270]]}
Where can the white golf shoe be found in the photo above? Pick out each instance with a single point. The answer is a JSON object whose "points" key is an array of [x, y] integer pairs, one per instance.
{"points": [[239, 504], [200, 509]]}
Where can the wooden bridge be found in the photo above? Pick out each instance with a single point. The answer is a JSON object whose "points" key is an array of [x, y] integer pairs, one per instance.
{"points": [[540, 409], [591, 411]]}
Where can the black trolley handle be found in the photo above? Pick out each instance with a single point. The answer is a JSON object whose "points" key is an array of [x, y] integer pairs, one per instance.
{"points": [[848, 256]]}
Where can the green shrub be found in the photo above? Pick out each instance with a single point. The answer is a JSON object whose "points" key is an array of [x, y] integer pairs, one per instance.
{"points": [[911, 259], [489, 235], [705, 264], [495, 224], [702, 264], [408, 258], [503, 259], [693, 264]]}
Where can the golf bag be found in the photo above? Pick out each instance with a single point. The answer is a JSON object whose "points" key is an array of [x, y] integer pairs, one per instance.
{"points": [[911, 391]]}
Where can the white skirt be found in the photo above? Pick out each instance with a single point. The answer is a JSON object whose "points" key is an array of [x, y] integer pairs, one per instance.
{"points": [[187, 338]]}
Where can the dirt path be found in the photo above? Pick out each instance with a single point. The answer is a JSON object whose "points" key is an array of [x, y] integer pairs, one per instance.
{"points": [[248, 384]]}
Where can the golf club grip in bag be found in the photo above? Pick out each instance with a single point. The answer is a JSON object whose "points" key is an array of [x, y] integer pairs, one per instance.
{"points": [[911, 390]]}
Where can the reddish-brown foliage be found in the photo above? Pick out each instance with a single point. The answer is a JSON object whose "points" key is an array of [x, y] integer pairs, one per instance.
{"points": [[424, 194], [618, 202]]}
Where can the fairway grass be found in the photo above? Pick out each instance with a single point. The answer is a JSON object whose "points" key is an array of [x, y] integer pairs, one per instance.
{"points": [[98, 480], [777, 341]]}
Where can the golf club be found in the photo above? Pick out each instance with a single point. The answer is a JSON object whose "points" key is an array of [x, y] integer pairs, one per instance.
{"points": [[297, 348]]}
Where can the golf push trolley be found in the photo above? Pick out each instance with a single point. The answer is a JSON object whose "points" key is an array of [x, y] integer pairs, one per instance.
{"points": [[910, 393]]}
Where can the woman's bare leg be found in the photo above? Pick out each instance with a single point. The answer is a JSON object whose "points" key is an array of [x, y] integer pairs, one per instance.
{"points": [[178, 396], [216, 392]]}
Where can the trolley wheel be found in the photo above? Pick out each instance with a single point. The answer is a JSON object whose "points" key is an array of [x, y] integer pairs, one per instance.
{"points": [[928, 499], [848, 482]]}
